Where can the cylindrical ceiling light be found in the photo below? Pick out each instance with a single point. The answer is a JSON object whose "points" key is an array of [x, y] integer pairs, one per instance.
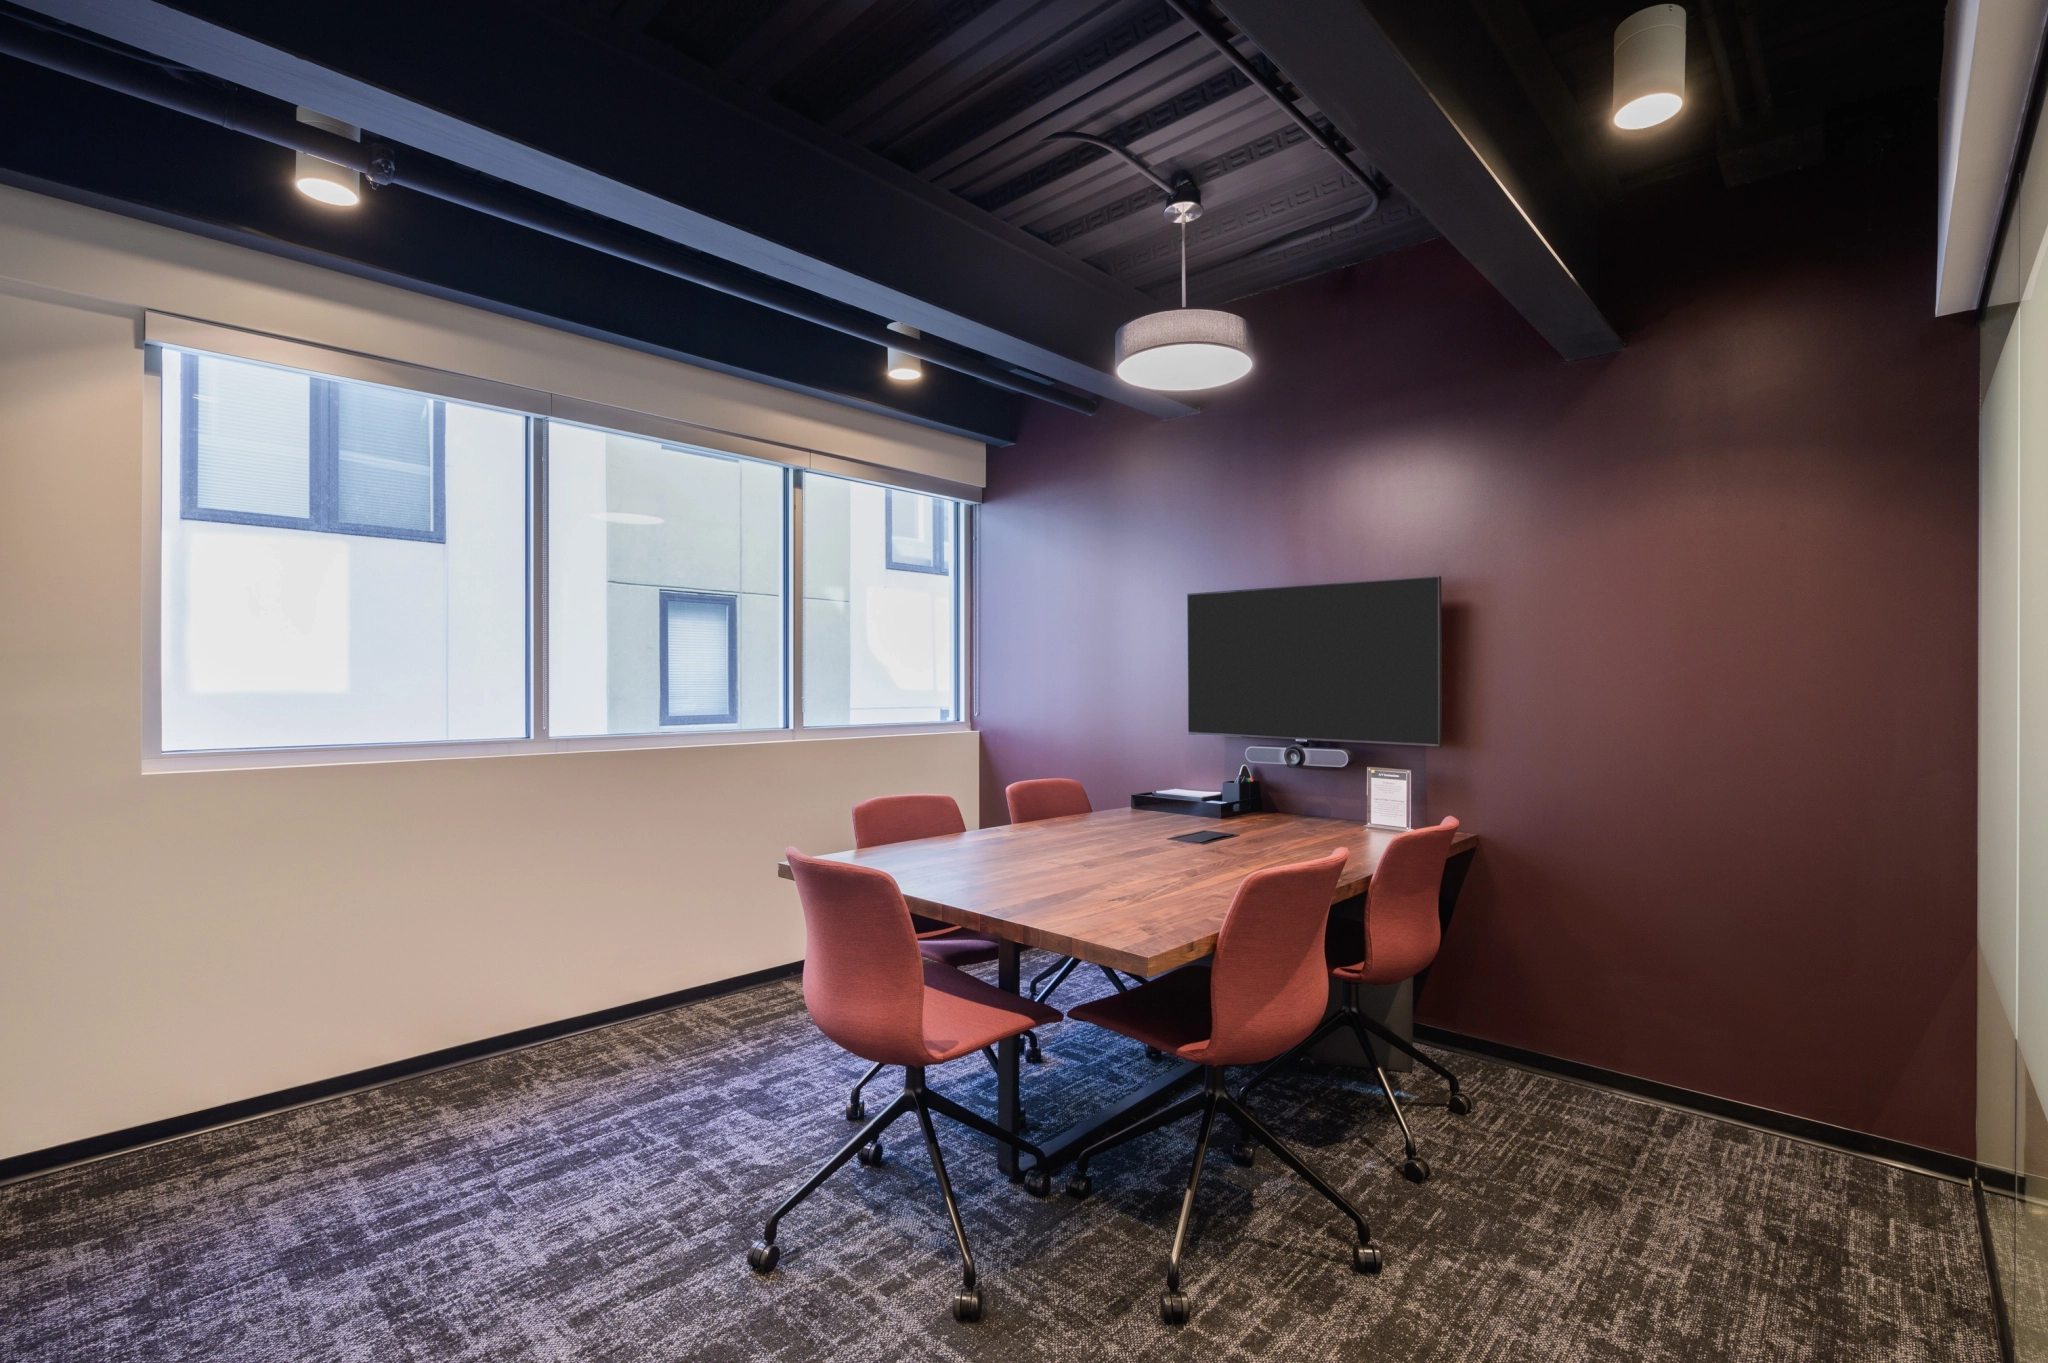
{"points": [[1187, 349], [1649, 67], [323, 181], [1184, 350], [904, 367]]}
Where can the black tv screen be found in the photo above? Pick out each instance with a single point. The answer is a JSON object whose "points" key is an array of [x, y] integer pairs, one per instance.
{"points": [[1357, 662]]}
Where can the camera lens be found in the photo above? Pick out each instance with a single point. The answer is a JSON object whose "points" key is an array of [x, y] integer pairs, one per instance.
{"points": [[1295, 757]]}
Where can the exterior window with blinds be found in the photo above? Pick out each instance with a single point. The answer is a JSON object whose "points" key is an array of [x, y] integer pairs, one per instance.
{"points": [[346, 562], [343, 564], [699, 658], [916, 532], [266, 446]]}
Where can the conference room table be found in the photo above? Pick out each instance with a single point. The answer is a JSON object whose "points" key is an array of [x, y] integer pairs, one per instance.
{"points": [[1116, 888]]}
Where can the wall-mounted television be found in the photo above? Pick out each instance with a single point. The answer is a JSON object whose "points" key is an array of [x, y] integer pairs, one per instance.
{"points": [[1347, 662]]}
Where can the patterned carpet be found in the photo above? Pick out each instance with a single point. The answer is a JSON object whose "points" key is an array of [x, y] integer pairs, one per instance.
{"points": [[592, 1198]]}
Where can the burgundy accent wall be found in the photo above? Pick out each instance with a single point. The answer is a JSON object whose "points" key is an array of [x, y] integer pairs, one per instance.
{"points": [[1710, 628]]}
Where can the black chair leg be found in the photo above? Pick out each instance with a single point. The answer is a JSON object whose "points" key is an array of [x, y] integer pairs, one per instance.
{"points": [[763, 1254], [1242, 1152], [1364, 1257], [855, 1109], [1460, 1105], [967, 1301], [1037, 1178], [1113, 978], [1173, 1303]]}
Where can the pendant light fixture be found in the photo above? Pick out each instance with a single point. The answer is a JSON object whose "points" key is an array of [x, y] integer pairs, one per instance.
{"points": [[1186, 349], [1649, 67]]}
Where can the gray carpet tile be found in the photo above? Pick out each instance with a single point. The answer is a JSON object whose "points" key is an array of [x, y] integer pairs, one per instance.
{"points": [[592, 1199]]}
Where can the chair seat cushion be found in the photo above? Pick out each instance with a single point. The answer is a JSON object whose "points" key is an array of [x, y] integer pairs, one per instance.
{"points": [[962, 1014], [1171, 1012], [957, 948]]}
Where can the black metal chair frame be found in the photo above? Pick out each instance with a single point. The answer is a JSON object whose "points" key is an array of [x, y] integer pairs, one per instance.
{"points": [[1352, 1016], [764, 1254], [1212, 1101]]}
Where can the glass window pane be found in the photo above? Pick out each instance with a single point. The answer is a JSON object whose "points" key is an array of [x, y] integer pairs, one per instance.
{"points": [[286, 637], [665, 586], [251, 427], [881, 605], [697, 658], [386, 457]]}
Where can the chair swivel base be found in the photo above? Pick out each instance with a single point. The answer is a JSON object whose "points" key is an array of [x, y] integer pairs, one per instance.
{"points": [[1215, 1100], [1413, 1167], [764, 1254]]}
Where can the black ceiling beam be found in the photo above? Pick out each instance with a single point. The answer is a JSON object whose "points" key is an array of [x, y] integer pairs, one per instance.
{"points": [[63, 137], [667, 149], [1420, 88]]}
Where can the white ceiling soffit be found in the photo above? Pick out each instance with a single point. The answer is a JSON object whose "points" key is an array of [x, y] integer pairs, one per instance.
{"points": [[194, 42], [1987, 74]]}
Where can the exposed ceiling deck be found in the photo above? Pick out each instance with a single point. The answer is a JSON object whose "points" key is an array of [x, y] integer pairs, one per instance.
{"points": [[966, 93]]}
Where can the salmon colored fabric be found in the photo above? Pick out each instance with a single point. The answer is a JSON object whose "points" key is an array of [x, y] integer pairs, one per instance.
{"points": [[1054, 797], [867, 988], [1263, 991], [1401, 931], [890, 819], [903, 818]]}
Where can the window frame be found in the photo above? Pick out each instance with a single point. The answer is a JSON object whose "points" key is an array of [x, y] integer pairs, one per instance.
{"points": [[542, 409], [942, 533], [731, 602], [323, 460]]}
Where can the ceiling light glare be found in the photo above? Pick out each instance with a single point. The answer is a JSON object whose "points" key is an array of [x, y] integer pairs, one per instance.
{"points": [[1183, 351], [902, 366], [1649, 67], [322, 180]]}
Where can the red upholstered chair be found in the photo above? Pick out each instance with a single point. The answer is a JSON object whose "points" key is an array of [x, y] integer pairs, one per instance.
{"points": [[870, 992], [1396, 940], [1051, 797], [1261, 993], [905, 818]]}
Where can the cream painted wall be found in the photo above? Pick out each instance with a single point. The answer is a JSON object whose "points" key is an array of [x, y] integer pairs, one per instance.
{"points": [[174, 941]]}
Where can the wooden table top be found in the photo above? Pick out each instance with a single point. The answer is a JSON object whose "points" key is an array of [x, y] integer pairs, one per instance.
{"points": [[1113, 887]]}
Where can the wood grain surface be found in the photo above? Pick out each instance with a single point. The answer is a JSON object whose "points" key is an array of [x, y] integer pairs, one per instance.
{"points": [[1113, 887]]}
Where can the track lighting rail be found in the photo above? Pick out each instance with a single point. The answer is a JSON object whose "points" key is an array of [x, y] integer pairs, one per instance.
{"points": [[382, 165]]}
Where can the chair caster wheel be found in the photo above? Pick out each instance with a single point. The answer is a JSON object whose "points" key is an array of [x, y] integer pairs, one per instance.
{"points": [[871, 1153], [1173, 1308], [1032, 1055], [1023, 1122], [1416, 1171], [1460, 1105], [856, 1111], [1037, 1182], [762, 1256], [1154, 1053], [1243, 1156], [1080, 1185], [1366, 1259], [967, 1305]]}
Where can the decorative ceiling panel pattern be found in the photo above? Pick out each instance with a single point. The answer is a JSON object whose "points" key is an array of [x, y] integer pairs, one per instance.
{"points": [[965, 94]]}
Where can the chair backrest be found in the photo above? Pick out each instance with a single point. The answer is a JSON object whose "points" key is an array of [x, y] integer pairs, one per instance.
{"points": [[863, 979], [901, 818], [1402, 930], [1268, 986], [1051, 798]]}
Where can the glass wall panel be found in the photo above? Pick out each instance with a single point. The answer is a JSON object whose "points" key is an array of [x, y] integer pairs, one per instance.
{"points": [[666, 570], [299, 614], [881, 605]]}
